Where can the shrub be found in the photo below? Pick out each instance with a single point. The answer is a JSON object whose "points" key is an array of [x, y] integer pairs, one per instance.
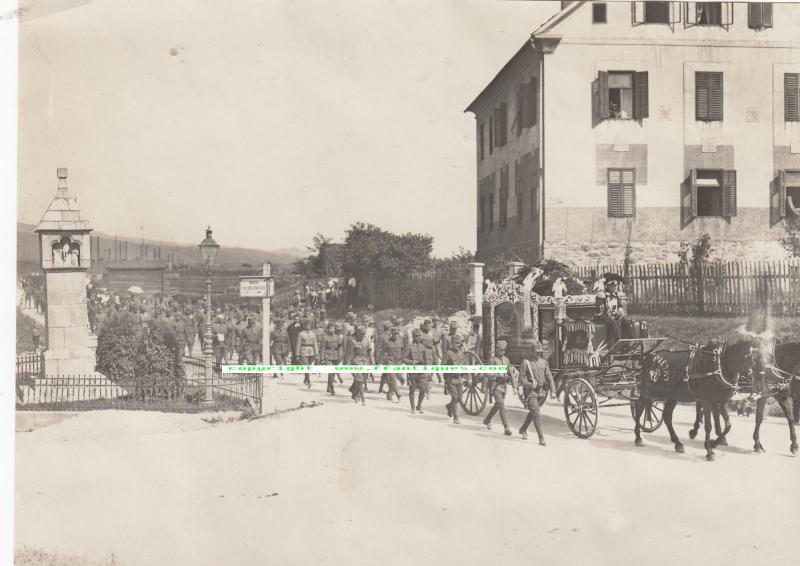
{"points": [[116, 347]]}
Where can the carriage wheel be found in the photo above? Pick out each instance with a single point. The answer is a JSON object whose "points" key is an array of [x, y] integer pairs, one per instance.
{"points": [[652, 414], [476, 391], [580, 407]]}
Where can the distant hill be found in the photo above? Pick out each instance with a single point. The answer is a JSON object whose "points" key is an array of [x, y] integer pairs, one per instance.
{"points": [[180, 254]]}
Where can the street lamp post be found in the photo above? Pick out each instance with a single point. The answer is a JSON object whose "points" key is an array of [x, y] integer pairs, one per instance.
{"points": [[209, 249]]}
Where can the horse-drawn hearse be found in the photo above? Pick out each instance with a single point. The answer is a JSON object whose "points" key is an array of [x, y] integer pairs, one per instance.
{"points": [[593, 349]]}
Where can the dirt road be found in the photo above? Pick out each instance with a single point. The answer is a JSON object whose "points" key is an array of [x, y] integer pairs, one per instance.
{"points": [[345, 484]]}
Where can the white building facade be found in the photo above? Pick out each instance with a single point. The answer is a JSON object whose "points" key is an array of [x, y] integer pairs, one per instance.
{"points": [[643, 124]]}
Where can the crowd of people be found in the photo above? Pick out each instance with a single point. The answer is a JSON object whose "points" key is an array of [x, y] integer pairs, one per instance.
{"points": [[31, 292]]}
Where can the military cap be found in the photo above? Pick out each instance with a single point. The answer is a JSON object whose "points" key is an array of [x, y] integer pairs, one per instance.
{"points": [[537, 347], [416, 332], [386, 324], [359, 328], [426, 321], [331, 325], [453, 324], [457, 339], [435, 318], [502, 344]]}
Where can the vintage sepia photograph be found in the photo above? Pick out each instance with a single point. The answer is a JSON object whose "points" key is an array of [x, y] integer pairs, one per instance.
{"points": [[360, 282]]}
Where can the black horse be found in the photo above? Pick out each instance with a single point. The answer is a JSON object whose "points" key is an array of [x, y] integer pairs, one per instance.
{"points": [[774, 372], [736, 362], [693, 374]]}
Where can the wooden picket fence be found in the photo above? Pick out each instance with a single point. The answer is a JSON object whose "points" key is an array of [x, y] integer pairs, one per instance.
{"points": [[446, 289], [716, 288]]}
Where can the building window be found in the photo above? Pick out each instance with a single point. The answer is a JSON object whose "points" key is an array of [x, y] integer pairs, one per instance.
{"points": [[621, 193], [708, 96], [791, 97], [713, 193], [501, 125], [707, 13], [599, 13], [519, 189], [480, 141], [620, 95], [656, 12], [789, 196], [491, 135], [759, 15], [491, 211], [526, 105], [504, 196]]}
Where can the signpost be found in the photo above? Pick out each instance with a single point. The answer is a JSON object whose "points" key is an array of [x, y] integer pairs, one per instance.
{"points": [[263, 286]]}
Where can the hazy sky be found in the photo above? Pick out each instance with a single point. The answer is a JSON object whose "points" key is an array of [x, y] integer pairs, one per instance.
{"points": [[270, 120]]}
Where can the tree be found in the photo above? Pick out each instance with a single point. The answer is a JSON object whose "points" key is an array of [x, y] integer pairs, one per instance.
{"points": [[459, 260], [324, 259], [370, 251]]}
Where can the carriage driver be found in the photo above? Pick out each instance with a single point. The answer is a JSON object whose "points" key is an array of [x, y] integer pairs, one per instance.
{"points": [[536, 380], [499, 385]]}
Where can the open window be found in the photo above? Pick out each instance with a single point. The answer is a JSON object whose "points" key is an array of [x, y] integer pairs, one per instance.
{"points": [[713, 193], [656, 13], [719, 14], [788, 193], [759, 15], [620, 95]]}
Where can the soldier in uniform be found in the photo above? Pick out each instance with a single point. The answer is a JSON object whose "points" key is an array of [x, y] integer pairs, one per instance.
{"points": [[218, 339], [307, 349], [293, 330], [230, 339], [499, 385], [418, 354], [455, 356], [279, 345], [251, 342], [332, 347], [391, 353], [379, 342], [436, 331], [452, 331], [536, 381], [429, 340], [359, 351]]}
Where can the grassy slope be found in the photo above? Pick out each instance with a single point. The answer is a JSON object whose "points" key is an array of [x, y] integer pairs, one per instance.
{"points": [[25, 328]]}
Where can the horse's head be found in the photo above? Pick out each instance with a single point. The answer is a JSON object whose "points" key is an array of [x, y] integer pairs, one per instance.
{"points": [[707, 358]]}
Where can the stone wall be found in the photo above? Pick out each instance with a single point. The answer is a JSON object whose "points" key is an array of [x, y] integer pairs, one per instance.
{"points": [[588, 253]]}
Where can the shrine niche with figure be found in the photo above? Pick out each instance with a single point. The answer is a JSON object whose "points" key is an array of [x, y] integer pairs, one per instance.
{"points": [[65, 253]]}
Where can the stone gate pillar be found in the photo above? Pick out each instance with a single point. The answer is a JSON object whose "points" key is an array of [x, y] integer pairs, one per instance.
{"points": [[65, 258]]}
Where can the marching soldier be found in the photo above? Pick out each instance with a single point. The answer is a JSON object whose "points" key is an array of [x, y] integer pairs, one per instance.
{"points": [[280, 348], [332, 347], [437, 333], [339, 330], [455, 356], [307, 349], [429, 340], [499, 385], [251, 343], [230, 339], [359, 351], [380, 338], [293, 330], [418, 354], [536, 381], [391, 353], [446, 338], [218, 339]]}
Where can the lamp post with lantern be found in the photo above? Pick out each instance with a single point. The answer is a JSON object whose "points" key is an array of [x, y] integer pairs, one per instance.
{"points": [[209, 250]]}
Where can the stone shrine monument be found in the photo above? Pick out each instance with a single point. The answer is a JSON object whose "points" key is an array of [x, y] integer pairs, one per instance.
{"points": [[64, 257]]}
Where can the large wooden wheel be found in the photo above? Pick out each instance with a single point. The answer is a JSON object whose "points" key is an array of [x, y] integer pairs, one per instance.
{"points": [[652, 413], [580, 407], [476, 391]]}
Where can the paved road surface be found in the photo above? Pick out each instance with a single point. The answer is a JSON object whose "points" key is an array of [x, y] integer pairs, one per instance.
{"points": [[345, 484]]}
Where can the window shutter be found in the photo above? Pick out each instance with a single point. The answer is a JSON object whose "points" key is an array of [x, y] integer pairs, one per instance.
{"points": [[491, 134], [533, 99], [693, 196], [628, 193], [754, 15], [614, 193], [691, 13], [500, 125], [701, 96], [674, 12], [715, 94], [791, 97], [729, 193], [641, 103], [766, 14], [602, 95], [522, 107], [782, 194], [638, 12]]}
